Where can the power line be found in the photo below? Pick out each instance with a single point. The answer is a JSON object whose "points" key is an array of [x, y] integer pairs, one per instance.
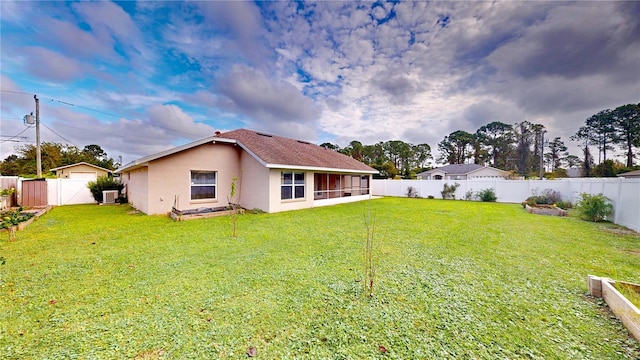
{"points": [[15, 136], [101, 132], [16, 92], [62, 137], [104, 113]]}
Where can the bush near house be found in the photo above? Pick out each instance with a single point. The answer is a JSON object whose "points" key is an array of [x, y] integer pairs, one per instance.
{"points": [[102, 183], [594, 207]]}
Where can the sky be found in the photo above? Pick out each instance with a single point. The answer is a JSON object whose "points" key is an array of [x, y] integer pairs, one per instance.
{"points": [[141, 77]]}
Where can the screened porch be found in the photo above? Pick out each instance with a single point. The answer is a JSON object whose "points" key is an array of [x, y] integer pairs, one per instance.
{"points": [[331, 186]]}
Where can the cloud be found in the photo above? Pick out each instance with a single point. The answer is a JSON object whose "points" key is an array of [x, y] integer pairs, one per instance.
{"points": [[172, 118], [570, 42], [163, 127], [240, 25], [414, 71], [50, 65], [268, 102]]}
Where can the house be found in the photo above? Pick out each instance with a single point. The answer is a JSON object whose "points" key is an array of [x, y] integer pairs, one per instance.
{"points": [[463, 172], [630, 174], [80, 171], [271, 173]]}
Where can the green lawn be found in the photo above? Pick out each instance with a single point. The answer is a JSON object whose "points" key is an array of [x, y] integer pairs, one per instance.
{"points": [[455, 280]]}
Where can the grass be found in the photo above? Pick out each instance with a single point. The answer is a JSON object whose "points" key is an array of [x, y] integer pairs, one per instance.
{"points": [[630, 292], [454, 279]]}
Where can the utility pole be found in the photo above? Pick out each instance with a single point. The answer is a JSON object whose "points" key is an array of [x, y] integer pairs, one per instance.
{"points": [[38, 151]]}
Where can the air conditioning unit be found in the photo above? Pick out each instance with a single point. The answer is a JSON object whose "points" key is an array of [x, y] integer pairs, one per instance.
{"points": [[109, 196]]}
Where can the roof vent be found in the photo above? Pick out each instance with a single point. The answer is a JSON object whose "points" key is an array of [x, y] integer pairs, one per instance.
{"points": [[218, 133], [303, 142], [262, 134]]}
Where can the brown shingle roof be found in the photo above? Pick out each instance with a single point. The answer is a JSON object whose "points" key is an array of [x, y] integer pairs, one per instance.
{"points": [[278, 150]]}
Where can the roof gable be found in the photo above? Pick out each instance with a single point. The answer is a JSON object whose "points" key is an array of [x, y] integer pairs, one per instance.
{"points": [[81, 163]]}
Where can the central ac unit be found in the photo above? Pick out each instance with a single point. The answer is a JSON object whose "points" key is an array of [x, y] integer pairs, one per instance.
{"points": [[109, 196]]}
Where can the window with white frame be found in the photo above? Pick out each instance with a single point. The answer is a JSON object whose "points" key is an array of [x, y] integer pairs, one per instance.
{"points": [[292, 185], [203, 185]]}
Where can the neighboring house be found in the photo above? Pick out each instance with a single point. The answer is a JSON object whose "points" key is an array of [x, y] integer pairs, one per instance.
{"points": [[81, 171], [631, 174], [271, 173], [463, 172]]}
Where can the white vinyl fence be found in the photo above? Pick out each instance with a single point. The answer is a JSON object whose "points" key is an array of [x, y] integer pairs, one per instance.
{"points": [[68, 192], [59, 191], [623, 193]]}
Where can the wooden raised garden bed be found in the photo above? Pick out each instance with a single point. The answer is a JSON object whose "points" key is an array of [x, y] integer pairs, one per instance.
{"points": [[545, 210], [625, 310], [202, 213]]}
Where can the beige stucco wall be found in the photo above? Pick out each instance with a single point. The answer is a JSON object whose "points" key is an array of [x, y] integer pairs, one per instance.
{"points": [[170, 177], [254, 180], [64, 173], [136, 188], [276, 204]]}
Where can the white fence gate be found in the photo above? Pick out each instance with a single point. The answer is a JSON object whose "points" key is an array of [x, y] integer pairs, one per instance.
{"points": [[624, 193], [68, 192]]}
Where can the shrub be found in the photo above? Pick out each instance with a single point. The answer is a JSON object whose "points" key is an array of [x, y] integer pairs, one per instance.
{"points": [[102, 183], [594, 207], [469, 195], [487, 195], [449, 191], [412, 192], [548, 197], [564, 205], [13, 217]]}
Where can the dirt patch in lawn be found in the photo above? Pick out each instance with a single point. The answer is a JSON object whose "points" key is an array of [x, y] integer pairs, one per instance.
{"points": [[619, 230]]}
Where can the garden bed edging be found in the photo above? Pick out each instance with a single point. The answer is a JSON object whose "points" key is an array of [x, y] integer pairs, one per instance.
{"points": [[624, 310]]}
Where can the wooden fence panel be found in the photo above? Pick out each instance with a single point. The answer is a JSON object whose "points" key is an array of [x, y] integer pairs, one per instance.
{"points": [[34, 193]]}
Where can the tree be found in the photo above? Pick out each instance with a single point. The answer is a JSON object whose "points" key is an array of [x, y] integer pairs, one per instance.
{"points": [[497, 139], [456, 147], [557, 152], [399, 153], [10, 166], [606, 168], [94, 152], [524, 134], [374, 154], [584, 134], [538, 148], [572, 161], [602, 131], [356, 150], [422, 153], [587, 163], [330, 146], [626, 122]]}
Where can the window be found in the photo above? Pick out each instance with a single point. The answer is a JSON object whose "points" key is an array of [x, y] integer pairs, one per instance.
{"points": [[203, 185], [292, 185]]}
